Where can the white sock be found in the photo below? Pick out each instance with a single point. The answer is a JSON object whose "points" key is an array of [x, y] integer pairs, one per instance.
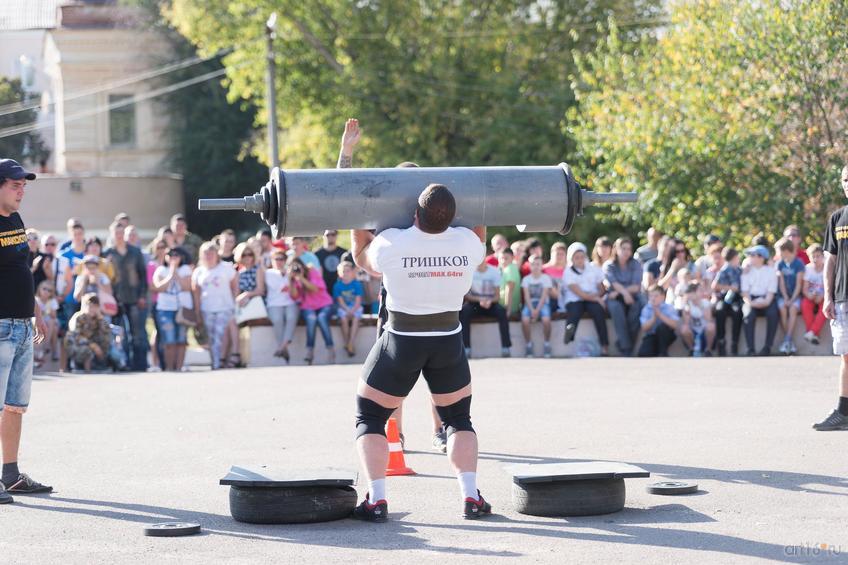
{"points": [[376, 490], [468, 485]]}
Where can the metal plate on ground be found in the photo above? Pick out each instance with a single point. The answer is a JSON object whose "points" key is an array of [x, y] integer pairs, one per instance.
{"points": [[264, 477], [672, 488], [526, 473], [172, 529]]}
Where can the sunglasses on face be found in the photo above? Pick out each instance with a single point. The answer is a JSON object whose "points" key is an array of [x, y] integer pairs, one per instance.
{"points": [[50, 244], [247, 255], [679, 251], [279, 258]]}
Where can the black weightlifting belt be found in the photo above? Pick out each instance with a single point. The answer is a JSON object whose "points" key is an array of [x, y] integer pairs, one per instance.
{"points": [[441, 322]]}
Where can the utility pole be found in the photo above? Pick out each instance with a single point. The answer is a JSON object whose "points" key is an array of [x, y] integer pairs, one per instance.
{"points": [[271, 87]]}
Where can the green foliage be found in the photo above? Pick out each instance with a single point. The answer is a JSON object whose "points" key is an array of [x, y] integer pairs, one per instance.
{"points": [[23, 146], [733, 122]]}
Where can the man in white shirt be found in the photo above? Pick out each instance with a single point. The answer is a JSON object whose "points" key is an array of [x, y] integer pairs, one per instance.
{"points": [[759, 287], [427, 270]]}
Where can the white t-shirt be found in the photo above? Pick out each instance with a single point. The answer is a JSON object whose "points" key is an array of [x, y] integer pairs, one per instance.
{"points": [[696, 311], [215, 292], [277, 288], [536, 286], [587, 281], [426, 273], [49, 308], [759, 281], [815, 279], [173, 299], [60, 267], [487, 284]]}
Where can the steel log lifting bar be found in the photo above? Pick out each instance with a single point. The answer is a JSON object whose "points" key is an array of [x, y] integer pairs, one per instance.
{"points": [[306, 202]]}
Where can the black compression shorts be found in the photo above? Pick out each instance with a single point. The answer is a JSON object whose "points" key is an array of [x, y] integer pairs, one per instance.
{"points": [[395, 361]]}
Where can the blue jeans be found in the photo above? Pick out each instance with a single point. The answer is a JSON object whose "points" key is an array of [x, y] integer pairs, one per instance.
{"points": [[136, 347], [322, 318], [15, 363], [169, 331]]}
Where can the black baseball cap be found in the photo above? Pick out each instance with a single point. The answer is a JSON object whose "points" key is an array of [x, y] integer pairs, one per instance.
{"points": [[11, 169]]}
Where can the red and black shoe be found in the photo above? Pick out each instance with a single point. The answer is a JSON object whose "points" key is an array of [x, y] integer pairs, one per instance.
{"points": [[376, 512], [475, 509]]}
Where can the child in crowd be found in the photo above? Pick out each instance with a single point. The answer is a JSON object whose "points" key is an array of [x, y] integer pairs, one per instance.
{"points": [[348, 293], [790, 271], [759, 288], [811, 303], [45, 300], [678, 297], [659, 321], [536, 287], [728, 301], [510, 282], [697, 328]]}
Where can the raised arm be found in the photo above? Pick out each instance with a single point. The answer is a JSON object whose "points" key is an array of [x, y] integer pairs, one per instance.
{"points": [[350, 138]]}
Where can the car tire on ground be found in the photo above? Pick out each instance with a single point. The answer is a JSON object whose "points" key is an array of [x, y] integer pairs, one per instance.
{"points": [[587, 497], [286, 505]]}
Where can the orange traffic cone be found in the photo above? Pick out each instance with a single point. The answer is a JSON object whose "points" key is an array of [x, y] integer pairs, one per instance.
{"points": [[397, 466]]}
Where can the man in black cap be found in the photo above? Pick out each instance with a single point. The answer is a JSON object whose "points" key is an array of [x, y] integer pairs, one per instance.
{"points": [[17, 335]]}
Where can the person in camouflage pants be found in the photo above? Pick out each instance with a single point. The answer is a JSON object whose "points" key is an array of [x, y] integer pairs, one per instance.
{"points": [[90, 337]]}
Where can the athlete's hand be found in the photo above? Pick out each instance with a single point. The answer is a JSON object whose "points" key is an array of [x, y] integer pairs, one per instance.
{"points": [[829, 308], [351, 135]]}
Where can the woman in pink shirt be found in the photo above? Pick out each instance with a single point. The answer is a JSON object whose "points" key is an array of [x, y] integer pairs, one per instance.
{"points": [[316, 305]]}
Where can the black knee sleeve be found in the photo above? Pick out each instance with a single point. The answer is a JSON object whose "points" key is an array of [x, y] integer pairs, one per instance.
{"points": [[457, 416], [371, 418]]}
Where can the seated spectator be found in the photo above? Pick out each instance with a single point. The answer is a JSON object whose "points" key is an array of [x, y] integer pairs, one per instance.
{"points": [[623, 280], [264, 238], [510, 295], [697, 327], [45, 300], [651, 269], [251, 274], [793, 234], [316, 305], [602, 251], [91, 279], [499, 243], [728, 301], [583, 292], [483, 299], [519, 252], [554, 269], [811, 304], [709, 274], [536, 287], [214, 286], [330, 255], [348, 293], [534, 249], [299, 248], [759, 287], [677, 297], [89, 336], [172, 282], [677, 258], [790, 279], [659, 321], [650, 250], [706, 260], [283, 311]]}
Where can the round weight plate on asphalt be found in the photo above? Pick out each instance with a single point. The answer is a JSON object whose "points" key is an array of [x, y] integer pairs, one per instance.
{"points": [[172, 529], [672, 488]]}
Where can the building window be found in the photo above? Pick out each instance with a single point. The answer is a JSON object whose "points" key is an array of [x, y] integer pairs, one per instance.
{"points": [[121, 119]]}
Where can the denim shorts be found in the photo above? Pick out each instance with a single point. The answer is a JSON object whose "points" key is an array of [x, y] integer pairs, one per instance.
{"points": [[170, 332], [341, 312], [545, 311], [15, 363], [796, 303], [839, 329]]}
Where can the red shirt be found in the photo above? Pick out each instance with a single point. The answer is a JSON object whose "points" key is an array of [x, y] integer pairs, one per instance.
{"points": [[493, 260], [802, 255]]}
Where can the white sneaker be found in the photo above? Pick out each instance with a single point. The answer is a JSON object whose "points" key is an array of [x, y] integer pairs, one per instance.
{"points": [[154, 369], [792, 349], [809, 336], [784, 348]]}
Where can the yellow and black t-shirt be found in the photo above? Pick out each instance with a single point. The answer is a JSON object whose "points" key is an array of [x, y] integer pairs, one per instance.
{"points": [[836, 243], [17, 295]]}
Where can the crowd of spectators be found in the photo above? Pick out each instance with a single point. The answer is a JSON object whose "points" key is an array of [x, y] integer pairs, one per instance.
{"points": [[100, 298]]}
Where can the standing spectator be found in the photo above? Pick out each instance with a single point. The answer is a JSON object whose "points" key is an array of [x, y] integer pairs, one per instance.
{"points": [[299, 248], [166, 234], [554, 269], [265, 239], [282, 308], [790, 279], [602, 251], [54, 267], [728, 294], [534, 249], [348, 293], [623, 280], [123, 219], [158, 251], [583, 292], [811, 304], [184, 238], [74, 253], [17, 308], [43, 268], [698, 328], [659, 321], [329, 256], [793, 234], [34, 241], [93, 247], [131, 294], [483, 300], [651, 269], [510, 283], [499, 243], [91, 280], [214, 285], [315, 305], [706, 260], [759, 287], [45, 300], [75, 232], [172, 282], [650, 250], [89, 337], [227, 245], [536, 287]]}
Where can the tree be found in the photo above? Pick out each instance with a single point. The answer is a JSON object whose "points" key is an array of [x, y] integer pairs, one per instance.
{"points": [[732, 122], [23, 146]]}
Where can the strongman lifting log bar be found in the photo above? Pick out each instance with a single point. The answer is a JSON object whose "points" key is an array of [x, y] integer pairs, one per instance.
{"points": [[306, 202]]}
